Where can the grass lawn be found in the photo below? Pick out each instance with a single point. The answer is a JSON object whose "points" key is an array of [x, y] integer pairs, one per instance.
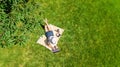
{"points": [[91, 37]]}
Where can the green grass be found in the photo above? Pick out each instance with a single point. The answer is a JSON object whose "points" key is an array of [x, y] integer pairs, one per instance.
{"points": [[91, 37]]}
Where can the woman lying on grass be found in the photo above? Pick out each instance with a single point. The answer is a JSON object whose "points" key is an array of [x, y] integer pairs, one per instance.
{"points": [[51, 39]]}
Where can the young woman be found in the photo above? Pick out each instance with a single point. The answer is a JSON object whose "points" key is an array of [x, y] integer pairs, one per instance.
{"points": [[51, 40]]}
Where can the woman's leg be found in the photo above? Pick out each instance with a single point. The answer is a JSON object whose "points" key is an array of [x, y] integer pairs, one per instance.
{"points": [[48, 28]]}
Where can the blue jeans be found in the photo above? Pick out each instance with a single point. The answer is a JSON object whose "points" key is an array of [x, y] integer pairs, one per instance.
{"points": [[49, 33]]}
